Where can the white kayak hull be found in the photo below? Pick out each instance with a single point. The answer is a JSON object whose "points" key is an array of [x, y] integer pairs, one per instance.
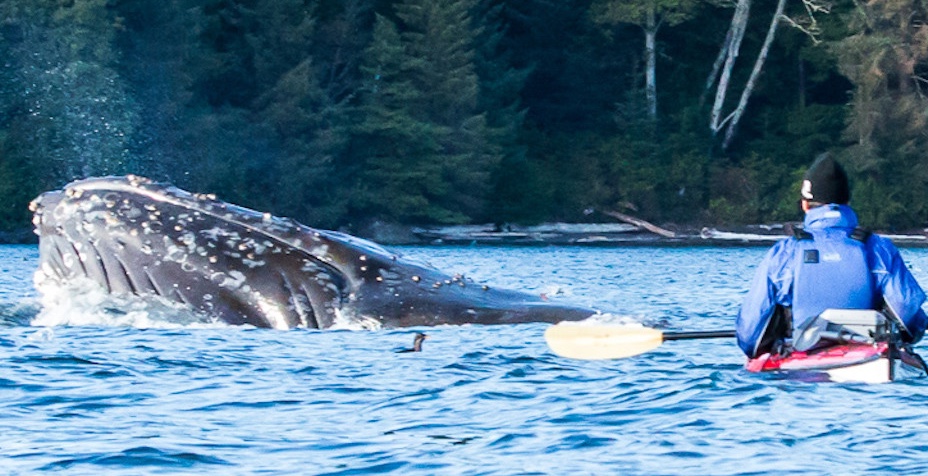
{"points": [[862, 363]]}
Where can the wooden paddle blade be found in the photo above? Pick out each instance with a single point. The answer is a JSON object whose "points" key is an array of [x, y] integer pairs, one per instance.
{"points": [[592, 342]]}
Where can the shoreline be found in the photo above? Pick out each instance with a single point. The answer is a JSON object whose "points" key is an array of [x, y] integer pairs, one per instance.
{"points": [[610, 235], [566, 234]]}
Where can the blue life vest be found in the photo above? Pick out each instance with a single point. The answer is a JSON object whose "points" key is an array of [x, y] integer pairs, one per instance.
{"points": [[832, 272], [831, 265]]}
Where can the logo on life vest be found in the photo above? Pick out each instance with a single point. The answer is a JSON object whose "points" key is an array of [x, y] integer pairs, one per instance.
{"points": [[810, 256]]}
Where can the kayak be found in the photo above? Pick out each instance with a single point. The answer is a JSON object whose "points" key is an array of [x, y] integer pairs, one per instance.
{"points": [[851, 362], [839, 345], [844, 345]]}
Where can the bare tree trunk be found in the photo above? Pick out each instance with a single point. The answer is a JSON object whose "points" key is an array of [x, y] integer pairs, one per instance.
{"points": [[755, 73], [650, 35], [738, 25], [717, 66]]}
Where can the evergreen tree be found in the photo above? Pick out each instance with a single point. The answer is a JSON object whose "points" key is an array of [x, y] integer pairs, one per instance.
{"points": [[501, 85], [161, 77], [67, 105], [886, 58], [397, 151], [304, 103], [440, 40], [428, 153], [65, 112], [238, 105]]}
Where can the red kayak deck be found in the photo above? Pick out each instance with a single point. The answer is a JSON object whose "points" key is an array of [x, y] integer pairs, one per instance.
{"points": [[843, 355], [852, 362]]}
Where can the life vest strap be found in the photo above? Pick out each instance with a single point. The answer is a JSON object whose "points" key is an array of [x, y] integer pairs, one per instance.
{"points": [[858, 233], [861, 234], [800, 234]]}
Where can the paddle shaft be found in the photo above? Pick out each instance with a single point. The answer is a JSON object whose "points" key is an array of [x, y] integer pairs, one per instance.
{"points": [[697, 335]]}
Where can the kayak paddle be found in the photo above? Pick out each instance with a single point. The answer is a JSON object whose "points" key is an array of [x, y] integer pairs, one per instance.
{"points": [[598, 342]]}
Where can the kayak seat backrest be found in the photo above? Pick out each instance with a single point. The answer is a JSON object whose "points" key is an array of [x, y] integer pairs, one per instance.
{"points": [[832, 273], [860, 321]]}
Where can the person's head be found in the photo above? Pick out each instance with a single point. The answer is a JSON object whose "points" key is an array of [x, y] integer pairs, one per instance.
{"points": [[825, 182]]}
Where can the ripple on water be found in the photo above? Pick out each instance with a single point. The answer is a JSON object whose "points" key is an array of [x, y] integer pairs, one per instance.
{"points": [[111, 399], [137, 458]]}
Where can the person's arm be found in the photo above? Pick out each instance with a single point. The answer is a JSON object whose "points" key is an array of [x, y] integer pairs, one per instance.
{"points": [[760, 303], [902, 294]]}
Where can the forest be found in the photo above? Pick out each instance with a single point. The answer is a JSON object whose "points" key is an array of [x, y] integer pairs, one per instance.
{"points": [[342, 113]]}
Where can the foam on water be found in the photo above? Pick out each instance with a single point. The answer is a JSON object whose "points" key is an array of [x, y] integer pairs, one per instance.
{"points": [[83, 302]]}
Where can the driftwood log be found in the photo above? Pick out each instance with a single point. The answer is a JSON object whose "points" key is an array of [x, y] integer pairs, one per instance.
{"points": [[641, 223]]}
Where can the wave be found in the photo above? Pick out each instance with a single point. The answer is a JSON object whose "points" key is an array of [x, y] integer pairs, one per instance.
{"points": [[82, 302]]}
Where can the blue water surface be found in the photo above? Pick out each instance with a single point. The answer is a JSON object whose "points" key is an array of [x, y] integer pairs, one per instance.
{"points": [[126, 400]]}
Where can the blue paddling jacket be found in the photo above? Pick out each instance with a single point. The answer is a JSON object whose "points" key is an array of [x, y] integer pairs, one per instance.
{"points": [[829, 264]]}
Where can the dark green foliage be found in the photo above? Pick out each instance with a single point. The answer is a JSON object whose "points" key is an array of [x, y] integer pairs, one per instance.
{"points": [[18, 185], [885, 56], [66, 109], [342, 112], [426, 150]]}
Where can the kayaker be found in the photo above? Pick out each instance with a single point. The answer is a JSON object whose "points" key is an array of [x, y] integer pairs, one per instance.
{"points": [[829, 263]]}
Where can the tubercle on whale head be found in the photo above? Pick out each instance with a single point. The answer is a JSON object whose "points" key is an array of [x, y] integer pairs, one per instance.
{"points": [[201, 203]]}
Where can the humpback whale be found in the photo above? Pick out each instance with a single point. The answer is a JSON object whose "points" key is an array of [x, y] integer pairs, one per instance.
{"points": [[133, 236]]}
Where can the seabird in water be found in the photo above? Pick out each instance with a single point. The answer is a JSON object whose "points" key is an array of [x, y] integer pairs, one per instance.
{"points": [[416, 343]]}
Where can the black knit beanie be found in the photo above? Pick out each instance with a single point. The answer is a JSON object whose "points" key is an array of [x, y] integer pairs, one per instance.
{"points": [[825, 182]]}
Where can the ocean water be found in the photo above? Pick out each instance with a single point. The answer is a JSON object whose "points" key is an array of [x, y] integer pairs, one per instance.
{"points": [[131, 393]]}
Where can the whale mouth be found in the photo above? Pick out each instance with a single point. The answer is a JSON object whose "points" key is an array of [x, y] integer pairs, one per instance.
{"points": [[84, 258], [136, 238]]}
